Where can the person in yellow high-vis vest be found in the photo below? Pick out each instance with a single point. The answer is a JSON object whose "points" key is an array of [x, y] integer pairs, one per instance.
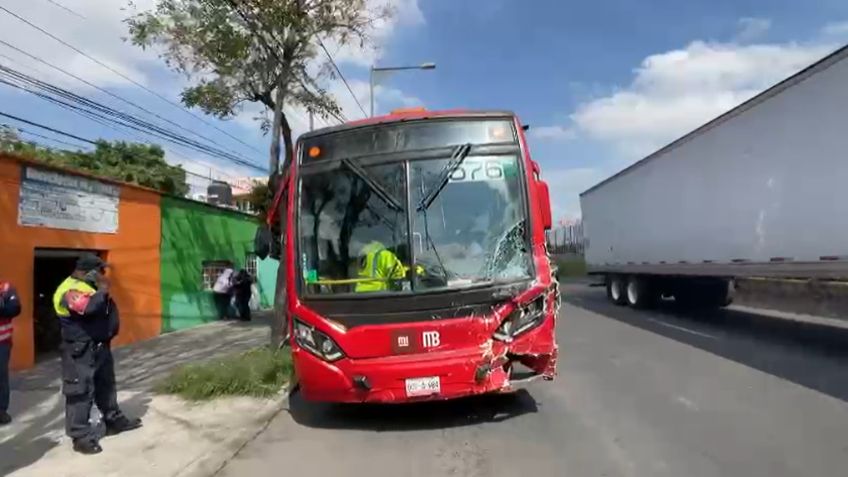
{"points": [[379, 269], [89, 320]]}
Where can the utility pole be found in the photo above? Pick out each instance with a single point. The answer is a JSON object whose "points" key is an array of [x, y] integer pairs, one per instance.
{"points": [[311, 120]]}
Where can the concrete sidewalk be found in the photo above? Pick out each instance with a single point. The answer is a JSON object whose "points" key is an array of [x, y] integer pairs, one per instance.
{"points": [[178, 438]]}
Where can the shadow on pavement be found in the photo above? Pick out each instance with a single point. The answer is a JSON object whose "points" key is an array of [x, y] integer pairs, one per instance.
{"points": [[31, 444], [813, 355], [415, 416], [37, 404]]}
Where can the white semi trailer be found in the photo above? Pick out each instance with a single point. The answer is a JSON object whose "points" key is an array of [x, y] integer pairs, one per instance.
{"points": [[761, 191]]}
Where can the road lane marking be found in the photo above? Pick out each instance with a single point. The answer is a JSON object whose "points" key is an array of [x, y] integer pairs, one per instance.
{"points": [[680, 328]]}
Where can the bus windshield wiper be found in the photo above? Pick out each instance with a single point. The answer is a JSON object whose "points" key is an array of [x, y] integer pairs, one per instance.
{"points": [[378, 189], [458, 156]]}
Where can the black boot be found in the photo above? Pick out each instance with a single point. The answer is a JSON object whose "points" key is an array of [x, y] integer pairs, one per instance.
{"points": [[87, 446], [122, 424], [5, 418]]}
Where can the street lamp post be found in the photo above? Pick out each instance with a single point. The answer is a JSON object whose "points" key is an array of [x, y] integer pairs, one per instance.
{"points": [[375, 69]]}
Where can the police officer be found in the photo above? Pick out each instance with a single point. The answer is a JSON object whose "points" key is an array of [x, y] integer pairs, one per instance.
{"points": [[89, 320], [10, 307]]}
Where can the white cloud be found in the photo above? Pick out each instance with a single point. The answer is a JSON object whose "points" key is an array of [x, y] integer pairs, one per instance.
{"points": [[751, 28], [406, 13], [565, 186], [554, 133], [670, 94], [676, 91], [98, 34]]}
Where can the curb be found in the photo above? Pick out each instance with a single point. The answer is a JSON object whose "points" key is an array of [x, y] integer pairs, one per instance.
{"points": [[211, 463]]}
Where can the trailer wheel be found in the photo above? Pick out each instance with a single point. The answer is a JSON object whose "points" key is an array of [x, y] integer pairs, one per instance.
{"points": [[721, 293], [640, 293], [616, 292]]}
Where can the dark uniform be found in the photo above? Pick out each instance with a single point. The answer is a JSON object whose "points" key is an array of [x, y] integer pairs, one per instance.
{"points": [[10, 307], [242, 290], [89, 320]]}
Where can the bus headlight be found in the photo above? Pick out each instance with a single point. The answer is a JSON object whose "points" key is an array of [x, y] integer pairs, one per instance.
{"points": [[522, 319], [316, 342]]}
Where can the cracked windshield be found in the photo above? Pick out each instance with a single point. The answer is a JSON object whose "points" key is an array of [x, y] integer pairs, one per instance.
{"points": [[467, 216]]}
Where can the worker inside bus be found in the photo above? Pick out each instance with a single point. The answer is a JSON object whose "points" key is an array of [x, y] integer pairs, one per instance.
{"points": [[380, 269]]}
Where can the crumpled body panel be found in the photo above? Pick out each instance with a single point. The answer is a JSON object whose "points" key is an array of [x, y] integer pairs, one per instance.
{"points": [[467, 359]]}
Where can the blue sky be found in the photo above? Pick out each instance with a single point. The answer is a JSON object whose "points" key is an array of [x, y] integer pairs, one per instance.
{"points": [[601, 83]]}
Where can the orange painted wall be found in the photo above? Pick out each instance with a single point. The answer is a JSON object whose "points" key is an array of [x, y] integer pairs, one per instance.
{"points": [[133, 253]]}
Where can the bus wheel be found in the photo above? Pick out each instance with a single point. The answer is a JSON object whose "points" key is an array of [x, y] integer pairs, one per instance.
{"points": [[616, 290]]}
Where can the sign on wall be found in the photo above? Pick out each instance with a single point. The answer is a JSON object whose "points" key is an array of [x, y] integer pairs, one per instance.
{"points": [[63, 201]]}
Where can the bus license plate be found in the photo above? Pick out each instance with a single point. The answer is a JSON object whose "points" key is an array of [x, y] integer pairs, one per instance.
{"points": [[423, 386]]}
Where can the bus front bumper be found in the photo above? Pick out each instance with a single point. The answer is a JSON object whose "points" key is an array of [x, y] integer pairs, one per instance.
{"points": [[459, 373]]}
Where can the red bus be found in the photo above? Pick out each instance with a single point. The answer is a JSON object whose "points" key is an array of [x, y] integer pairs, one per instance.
{"points": [[416, 259]]}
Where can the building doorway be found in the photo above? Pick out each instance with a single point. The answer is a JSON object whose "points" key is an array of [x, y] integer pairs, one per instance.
{"points": [[51, 267]]}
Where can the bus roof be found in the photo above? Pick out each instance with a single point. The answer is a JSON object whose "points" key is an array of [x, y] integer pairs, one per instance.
{"points": [[408, 116]]}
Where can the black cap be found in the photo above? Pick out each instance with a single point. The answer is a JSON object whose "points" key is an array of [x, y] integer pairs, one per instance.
{"points": [[89, 262]]}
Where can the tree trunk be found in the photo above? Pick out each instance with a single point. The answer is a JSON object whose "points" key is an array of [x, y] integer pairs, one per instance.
{"points": [[276, 126], [279, 323]]}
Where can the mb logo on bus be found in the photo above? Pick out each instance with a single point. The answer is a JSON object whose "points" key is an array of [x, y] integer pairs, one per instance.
{"points": [[430, 339]]}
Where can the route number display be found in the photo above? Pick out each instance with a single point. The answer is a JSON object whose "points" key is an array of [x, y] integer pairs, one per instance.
{"points": [[477, 170]]}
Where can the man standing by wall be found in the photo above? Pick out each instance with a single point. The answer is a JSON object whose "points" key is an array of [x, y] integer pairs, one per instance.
{"points": [[89, 320], [242, 289], [10, 307], [222, 293]]}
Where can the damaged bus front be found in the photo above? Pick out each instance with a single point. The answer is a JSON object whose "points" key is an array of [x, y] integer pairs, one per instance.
{"points": [[416, 260]]}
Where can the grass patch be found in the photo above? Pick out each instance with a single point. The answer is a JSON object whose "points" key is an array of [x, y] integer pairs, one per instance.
{"points": [[260, 372], [571, 267]]}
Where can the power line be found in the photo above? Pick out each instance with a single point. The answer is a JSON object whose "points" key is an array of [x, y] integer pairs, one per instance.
{"points": [[88, 107], [144, 141], [105, 115], [17, 62], [170, 151], [104, 65], [58, 141], [105, 91], [336, 67], [47, 128], [72, 12], [63, 133]]}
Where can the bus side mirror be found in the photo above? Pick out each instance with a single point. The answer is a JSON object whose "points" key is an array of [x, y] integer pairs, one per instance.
{"points": [[266, 243], [544, 195], [262, 242]]}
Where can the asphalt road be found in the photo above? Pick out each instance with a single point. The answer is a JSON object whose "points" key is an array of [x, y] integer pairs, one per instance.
{"points": [[639, 393]]}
